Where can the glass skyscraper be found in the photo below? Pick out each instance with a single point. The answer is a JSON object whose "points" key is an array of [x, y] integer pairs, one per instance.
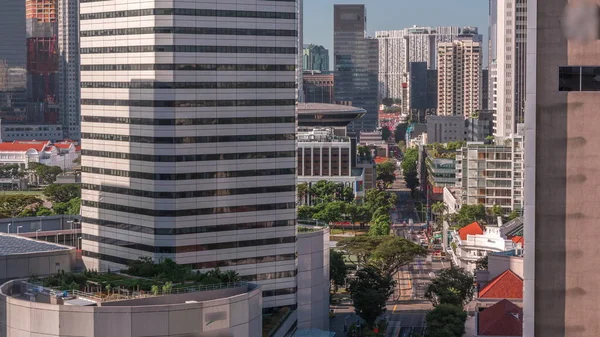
{"points": [[356, 65], [315, 58]]}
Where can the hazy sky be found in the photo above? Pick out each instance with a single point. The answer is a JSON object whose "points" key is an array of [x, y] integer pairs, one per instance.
{"points": [[395, 14]]}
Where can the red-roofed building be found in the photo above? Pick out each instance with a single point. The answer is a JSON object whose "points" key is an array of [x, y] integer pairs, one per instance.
{"points": [[23, 152], [518, 240], [473, 242], [472, 229], [506, 285], [501, 319]]}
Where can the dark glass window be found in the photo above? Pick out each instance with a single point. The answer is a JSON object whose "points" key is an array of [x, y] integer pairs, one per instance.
{"points": [[184, 158], [187, 176], [569, 78], [590, 78]]}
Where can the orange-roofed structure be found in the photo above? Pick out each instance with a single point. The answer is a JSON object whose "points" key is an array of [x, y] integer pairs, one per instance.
{"points": [[22, 153], [22, 146], [518, 239], [501, 319], [506, 285], [472, 229]]}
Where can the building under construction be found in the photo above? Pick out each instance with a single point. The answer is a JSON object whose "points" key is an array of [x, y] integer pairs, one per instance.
{"points": [[42, 59]]}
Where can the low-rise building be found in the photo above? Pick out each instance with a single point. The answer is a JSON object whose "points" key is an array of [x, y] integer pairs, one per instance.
{"points": [[22, 153], [473, 242], [452, 199], [502, 319], [12, 132], [443, 129]]}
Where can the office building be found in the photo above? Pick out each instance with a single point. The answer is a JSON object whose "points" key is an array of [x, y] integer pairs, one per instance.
{"points": [[356, 65], [563, 58], [219, 102], [510, 65], [318, 87], [443, 129], [422, 90], [492, 174], [459, 77], [399, 48], [480, 126], [13, 50], [42, 59], [68, 76], [485, 87], [315, 58]]}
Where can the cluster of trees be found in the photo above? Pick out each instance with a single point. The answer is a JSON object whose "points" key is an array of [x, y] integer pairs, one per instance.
{"points": [[364, 152], [385, 133], [449, 292], [469, 213], [66, 199], [409, 167], [400, 132], [11, 171], [46, 174], [386, 172], [332, 202], [378, 258], [446, 150], [168, 270]]}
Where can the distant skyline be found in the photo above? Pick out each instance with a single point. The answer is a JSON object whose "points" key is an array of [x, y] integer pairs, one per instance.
{"points": [[394, 15]]}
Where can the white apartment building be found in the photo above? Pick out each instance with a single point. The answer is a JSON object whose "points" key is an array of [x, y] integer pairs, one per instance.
{"points": [[459, 77], [68, 75], [510, 63], [188, 132], [397, 48], [473, 242], [492, 174], [324, 156]]}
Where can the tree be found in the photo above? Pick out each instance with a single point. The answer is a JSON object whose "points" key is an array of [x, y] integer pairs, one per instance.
{"points": [[409, 167], [452, 286], [62, 192], [375, 199], [514, 214], [331, 212], [360, 248], [400, 132], [386, 171], [394, 253], [380, 225], [482, 263], [438, 208], [306, 212], [337, 269], [10, 171], [496, 211], [454, 146], [402, 145], [446, 320], [469, 213], [364, 152], [385, 133], [369, 292], [12, 206], [326, 191], [47, 174]]}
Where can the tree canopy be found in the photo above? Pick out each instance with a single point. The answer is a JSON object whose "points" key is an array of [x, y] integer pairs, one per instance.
{"points": [[369, 292], [452, 286], [394, 253], [62, 192], [446, 320], [409, 167], [360, 247], [469, 213], [386, 171], [337, 269], [47, 174], [10, 171], [400, 132], [11, 206]]}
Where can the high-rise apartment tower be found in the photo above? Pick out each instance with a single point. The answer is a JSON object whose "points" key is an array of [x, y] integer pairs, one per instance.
{"points": [[188, 135], [459, 77]]}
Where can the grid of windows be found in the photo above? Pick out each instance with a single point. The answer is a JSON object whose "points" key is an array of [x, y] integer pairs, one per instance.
{"points": [[189, 30], [189, 157], [187, 12], [188, 140], [188, 49], [189, 121], [188, 176], [189, 85], [189, 104], [188, 67]]}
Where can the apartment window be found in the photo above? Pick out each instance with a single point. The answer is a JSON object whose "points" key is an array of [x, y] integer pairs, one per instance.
{"points": [[590, 78], [569, 79]]}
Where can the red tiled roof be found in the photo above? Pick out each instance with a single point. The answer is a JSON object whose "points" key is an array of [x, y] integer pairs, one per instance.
{"points": [[501, 319], [471, 229], [22, 146], [379, 160], [78, 148], [505, 285], [518, 239], [63, 145]]}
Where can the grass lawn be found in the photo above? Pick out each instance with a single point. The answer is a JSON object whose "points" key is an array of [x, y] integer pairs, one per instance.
{"points": [[22, 192]]}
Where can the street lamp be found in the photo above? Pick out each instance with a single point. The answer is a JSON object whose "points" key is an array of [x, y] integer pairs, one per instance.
{"points": [[36, 233], [18, 227], [80, 245], [8, 230]]}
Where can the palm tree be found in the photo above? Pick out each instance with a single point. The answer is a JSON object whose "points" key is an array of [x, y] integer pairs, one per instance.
{"points": [[439, 208]]}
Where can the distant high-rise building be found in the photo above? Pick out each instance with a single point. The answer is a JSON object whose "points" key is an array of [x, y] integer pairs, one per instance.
{"points": [[315, 58], [42, 59], [318, 87], [422, 87], [356, 65], [68, 76], [459, 77], [510, 64], [12, 37], [188, 138], [485, 87], [399, 48]]}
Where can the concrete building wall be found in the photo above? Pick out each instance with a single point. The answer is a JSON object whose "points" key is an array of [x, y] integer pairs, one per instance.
{"points": [[498, 264], [235, 316], [443, 129], [313, 280], [39, 264], [562, 297]]}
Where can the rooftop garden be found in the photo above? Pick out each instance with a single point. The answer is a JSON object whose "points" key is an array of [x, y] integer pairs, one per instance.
{"points": [[143, 276], [446, 150]]}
